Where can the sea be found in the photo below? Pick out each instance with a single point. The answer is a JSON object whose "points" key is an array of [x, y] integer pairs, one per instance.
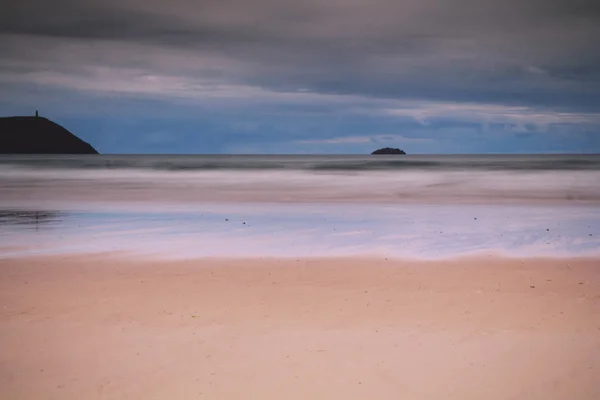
{"points": [[191, 206]]}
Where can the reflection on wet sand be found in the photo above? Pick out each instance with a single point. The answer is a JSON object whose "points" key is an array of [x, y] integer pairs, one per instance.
{"points": [[23, 217], [278, 231]]}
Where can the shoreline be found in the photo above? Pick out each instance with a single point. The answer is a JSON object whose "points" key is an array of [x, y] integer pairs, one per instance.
{"points": [[116, 200], [112, 326], [23, 253]]}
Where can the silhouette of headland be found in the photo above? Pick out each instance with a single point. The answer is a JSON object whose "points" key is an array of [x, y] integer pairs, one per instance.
{"points": [[39, 135], [388, 150]]}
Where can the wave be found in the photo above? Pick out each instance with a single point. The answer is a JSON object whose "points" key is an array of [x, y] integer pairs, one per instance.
{"points": [[300, 185], [311, 163]]}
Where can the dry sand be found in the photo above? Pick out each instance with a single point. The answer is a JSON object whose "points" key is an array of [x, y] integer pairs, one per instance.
{"points": [[111, 327]]}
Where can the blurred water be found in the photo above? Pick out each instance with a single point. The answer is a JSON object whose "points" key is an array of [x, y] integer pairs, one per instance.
{"points": [[555, 162], [290, 206], [545, 179]]}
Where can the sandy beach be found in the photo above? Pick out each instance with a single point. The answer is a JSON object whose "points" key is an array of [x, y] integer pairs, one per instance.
{"points": [[111, 326]]}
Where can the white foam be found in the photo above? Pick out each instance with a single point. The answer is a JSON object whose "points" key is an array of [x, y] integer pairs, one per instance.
{"points": [[181, 187]]}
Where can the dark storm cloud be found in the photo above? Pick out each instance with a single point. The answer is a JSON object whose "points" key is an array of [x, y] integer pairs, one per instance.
{"points": [[535, 53]]}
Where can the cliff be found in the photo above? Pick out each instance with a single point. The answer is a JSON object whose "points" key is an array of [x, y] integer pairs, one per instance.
{"points": [[38, 135], [388, 150]]}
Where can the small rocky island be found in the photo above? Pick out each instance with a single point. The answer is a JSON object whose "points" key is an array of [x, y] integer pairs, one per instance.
{"points": [[388, 150], [38, 135]]}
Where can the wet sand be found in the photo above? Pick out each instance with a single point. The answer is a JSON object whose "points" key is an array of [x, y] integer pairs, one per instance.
{"points": [[111, 326]]}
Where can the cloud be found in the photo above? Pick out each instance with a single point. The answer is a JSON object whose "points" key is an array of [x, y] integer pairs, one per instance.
{"points": [[437, 50], [142, 82], [424, 112], [367, 139], [511, 65], [339, 140]]}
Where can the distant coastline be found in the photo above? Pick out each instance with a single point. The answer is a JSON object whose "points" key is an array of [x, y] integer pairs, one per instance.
{"points": [[39, 135], [389, 150]]}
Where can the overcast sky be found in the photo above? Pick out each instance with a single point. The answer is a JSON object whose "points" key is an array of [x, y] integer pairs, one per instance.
{"points": [[311, 76]]}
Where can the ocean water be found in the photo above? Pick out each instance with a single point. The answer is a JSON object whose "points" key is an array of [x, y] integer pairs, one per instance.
{"points": [[291, 206]]}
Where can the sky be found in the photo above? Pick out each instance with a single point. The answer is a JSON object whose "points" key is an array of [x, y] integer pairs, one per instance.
{"points": [[312, 76]]}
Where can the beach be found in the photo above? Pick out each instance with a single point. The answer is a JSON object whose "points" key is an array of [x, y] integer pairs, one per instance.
{"points": [[300, 200], [299, 277], [118, 325]]}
